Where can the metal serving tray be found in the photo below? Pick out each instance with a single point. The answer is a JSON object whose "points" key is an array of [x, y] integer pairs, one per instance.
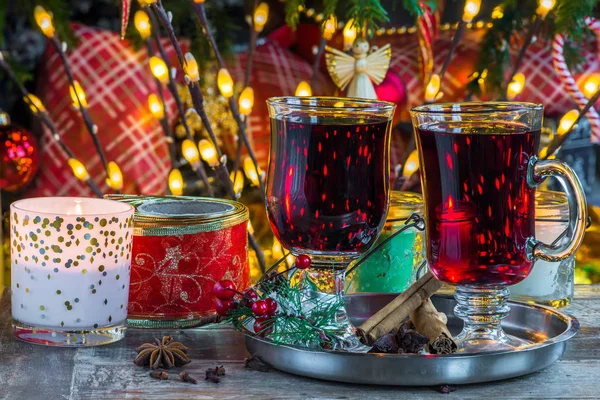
{"points": [[547, 328]]}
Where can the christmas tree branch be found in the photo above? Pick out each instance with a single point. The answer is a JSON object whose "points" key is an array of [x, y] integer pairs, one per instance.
{"points": [[92, 128], [39, 112], [198, 101], [201, 13]]}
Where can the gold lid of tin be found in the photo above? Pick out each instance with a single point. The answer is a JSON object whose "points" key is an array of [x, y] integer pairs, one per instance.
{"points": [[181, 215]]}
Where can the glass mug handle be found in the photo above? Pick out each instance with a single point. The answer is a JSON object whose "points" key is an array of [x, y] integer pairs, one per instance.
{"points": [[537, 171]]}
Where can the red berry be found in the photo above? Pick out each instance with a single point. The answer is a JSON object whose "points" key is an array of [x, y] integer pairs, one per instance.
{"points": [[272, 305], [263, 326], [302, 261], [260, 308], [223, 306], [250, 294], [224, 290]]}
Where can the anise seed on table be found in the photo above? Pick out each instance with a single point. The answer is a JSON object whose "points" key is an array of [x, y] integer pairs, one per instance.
{"points": [[163, 353]]}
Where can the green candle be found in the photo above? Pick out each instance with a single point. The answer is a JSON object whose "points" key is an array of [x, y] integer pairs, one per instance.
{"points": [[393, 267]]}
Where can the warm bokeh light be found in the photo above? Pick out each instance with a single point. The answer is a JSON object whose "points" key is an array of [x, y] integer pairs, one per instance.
{"points": [[498, 12], [471, 10], [156, 106], [276, 250], [115, 177], [78, 95], [261, 15], [159, 69], [246, 101], [78, 169], [544, 7], [44, 20], [566, 122], [237, 180], [208, 152], [411, 164], [432, 90], [329, 27], [190, 151], [303, 89], [250, 171], [515, 86], [191, 68], [176, 182], [349, 34], [142, 23], [35, 104], [590, 86], [225, 83]]}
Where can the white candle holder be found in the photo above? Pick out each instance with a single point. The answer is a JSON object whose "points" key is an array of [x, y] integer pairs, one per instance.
{"points": [[71, 260]]}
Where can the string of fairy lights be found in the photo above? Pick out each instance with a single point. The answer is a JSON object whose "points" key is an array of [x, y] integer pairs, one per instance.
{"points": [[114, 177]]}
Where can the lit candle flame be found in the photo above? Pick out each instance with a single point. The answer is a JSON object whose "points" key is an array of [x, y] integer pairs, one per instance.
{"points": [[349, 33], [329, 27], [471, 10]]}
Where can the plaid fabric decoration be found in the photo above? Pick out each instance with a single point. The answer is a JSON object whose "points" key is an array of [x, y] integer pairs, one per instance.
{"points": [[117, 82]]}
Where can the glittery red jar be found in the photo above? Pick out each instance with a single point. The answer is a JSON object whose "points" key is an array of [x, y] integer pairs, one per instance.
{"points": [[181, 247]]}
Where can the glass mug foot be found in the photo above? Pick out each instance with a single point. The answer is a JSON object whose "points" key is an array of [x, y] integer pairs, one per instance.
{"points": [[482, 309], [324, 285]]}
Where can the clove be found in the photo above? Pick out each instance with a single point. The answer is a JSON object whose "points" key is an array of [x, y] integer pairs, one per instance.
{"points": [[220, 370], [185, 377], [211, 375], [163, 375]]}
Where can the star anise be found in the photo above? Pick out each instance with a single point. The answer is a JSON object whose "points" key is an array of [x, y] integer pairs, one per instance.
{"points": [[165, 353]]}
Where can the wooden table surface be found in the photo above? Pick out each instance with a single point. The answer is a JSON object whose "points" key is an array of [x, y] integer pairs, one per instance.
{"points": [[107, 372]]}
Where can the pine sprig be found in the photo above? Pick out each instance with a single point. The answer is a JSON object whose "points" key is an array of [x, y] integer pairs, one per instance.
{"points": [[366, 14], [292, 12], [300, 320]]}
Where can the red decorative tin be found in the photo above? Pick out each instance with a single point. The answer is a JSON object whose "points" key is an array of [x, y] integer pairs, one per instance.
{"points": [[181, 247]]}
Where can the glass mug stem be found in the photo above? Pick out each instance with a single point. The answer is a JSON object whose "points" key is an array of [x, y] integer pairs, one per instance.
{"points": [[537, 171]]}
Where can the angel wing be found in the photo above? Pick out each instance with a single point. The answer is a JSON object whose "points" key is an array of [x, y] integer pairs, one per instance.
{"points": [[378, 63], [340, 66]]}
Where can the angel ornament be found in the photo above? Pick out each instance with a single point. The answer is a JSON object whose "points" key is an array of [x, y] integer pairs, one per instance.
{"points": [[360, 69]]}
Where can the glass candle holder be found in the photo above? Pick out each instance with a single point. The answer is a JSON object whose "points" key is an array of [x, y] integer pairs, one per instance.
{"points": [[70, 260], [549, 283], [392, 267]]}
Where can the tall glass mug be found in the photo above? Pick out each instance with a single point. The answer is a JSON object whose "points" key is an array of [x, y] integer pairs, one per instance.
{"points": [[328, 186], [479, 171]]}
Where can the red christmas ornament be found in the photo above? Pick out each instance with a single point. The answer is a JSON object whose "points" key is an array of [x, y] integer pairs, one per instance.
{"points": [[302, 261], [223, 306], [19, 153], [224, 289], [272, 305], [260, 308]]}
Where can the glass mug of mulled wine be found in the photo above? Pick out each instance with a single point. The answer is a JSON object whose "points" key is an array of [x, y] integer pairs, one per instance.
{"points": [[479, 171], [328, 187]]}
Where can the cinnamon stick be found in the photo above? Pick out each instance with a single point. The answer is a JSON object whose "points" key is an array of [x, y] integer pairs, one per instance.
{"points": [[392, 315], [431, 323]]}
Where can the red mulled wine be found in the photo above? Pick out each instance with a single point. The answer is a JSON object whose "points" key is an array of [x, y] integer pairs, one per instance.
{"points": [[328, 183], [479, 208]]}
